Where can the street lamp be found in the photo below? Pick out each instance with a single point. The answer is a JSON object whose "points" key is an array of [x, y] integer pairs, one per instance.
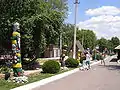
{"points": [[74, 44]]}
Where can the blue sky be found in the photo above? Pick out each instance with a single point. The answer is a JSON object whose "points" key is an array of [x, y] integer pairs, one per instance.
{"points": [[101, 16], [85, 5]]}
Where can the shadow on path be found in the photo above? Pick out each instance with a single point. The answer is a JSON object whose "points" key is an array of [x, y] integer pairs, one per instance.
{"points": [[113, 67], [110, 67]]}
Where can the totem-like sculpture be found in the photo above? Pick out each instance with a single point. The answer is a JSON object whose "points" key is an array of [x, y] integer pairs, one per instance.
{"points": [[17, 66]]}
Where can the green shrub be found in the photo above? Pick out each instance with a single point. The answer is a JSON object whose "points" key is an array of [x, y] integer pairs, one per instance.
{"points": [[51, 66], [70, 62], [30, 65]]}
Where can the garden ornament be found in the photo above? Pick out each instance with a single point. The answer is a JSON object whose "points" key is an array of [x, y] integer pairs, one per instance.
{"points": [[17, 66]]}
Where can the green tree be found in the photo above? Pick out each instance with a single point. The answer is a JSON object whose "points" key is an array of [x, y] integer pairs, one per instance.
{"points": [[102, 43], [87, 38], [40, 22], [115, 41], [68, 34], [110, 45]]}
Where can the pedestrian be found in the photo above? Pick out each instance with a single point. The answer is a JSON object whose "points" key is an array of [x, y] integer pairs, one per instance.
{"points": [[82, 61], [103, 59], [105, 52], [62, 60], [87, 54]]}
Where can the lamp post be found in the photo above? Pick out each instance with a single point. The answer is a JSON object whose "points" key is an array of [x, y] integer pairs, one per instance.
{"points": [[74, 44]]}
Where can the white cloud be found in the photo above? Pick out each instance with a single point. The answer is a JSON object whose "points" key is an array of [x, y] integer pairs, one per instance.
{"points": [[104, 25], [104, 10]]}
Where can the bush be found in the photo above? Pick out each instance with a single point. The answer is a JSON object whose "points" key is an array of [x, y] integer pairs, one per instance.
{"points": [[31, 65], [51, 66], [70, 62]]}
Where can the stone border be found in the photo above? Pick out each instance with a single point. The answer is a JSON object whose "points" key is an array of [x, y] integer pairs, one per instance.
{"points": [[2, 76], [48, 80]]}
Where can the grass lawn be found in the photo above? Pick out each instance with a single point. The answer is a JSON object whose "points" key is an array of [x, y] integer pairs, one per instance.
{"points": [[5, 85]]}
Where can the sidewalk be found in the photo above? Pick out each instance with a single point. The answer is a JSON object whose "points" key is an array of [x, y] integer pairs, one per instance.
{"points": [[28, 72]]}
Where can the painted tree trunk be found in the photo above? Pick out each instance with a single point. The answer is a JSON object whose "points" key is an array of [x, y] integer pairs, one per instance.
{"points": [[17, 66]]}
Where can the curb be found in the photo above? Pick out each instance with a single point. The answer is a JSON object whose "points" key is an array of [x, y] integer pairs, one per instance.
{"points": [[33, 85], [45, 81]]}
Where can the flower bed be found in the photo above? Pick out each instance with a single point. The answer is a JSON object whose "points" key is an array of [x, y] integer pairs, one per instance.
{"points": [[7, 85]]}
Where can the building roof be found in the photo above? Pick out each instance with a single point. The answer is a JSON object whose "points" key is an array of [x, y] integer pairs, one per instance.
{"points": [[80, 47], [118, 47]]}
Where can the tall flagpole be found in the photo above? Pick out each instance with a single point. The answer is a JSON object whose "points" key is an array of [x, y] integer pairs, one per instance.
{"points": [[74, 44]]}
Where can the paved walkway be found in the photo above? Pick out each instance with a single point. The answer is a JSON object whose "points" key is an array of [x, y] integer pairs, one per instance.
{"points": [[98, 78], [28, 72]]}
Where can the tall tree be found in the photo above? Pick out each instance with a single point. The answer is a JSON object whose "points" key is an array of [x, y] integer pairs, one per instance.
{"points": [[110, 45], [40, 22], [102, 43], [68, 34], [115, 41], [87, 38]]}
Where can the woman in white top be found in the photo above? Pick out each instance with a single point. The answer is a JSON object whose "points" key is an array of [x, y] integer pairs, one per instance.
{"points": [[88, 60]]}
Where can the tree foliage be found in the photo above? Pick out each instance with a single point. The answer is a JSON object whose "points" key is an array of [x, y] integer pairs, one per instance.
{"points": [[102, 43], [68, 34], [109, 44], [87, 38], [40, 22], [115, 41]]}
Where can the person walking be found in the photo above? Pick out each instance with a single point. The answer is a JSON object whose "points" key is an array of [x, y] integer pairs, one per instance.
{"points": [[103, 59], [82, 61], [62, 60], [87, 54]]}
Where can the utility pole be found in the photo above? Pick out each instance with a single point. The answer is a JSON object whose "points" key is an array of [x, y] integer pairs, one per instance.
{"points": [[60, 43], [74, 46], [83, 39]]}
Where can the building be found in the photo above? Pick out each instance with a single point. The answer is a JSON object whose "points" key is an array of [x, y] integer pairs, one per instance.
{"points": [[52, 51]]}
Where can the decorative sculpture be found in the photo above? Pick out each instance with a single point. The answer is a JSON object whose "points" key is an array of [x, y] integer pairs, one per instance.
{"points": [[17, 66]]}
